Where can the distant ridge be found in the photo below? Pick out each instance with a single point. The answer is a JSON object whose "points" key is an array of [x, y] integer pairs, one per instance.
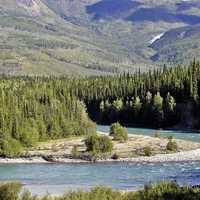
{"points": [[96, 37]]}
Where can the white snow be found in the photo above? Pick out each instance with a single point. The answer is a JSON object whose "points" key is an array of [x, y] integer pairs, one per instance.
{"points": [[157, 37]]}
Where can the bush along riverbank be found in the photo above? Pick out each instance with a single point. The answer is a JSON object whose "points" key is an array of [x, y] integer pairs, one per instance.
{"points": [[160, 191]]}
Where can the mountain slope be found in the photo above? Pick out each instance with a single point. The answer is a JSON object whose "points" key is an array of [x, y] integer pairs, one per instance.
{"points": [[132, 24], [178, 45], [92, 37], [35, 40]]}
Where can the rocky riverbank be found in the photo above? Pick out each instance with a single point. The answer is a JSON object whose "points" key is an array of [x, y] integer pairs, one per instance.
{"points": [[30, 160], [59, 151], [193, 155]]}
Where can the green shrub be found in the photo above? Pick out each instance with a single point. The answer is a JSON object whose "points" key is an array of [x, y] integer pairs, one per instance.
{"points": [[160, 191], [104, 193], [172, 146], [170, 137], [26, 195], [97, 193], [157, 135], [91, 143], [105, 144], [29, 135], [118, 132], [147, 151], [98, 144], [9, 147], [10, 191]]}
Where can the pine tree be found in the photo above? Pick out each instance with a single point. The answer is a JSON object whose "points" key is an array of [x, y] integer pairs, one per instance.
{"points": [[170, 103], [158, 110], [137, 105]]}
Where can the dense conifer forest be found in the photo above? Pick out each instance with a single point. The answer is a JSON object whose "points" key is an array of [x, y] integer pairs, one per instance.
{"points": [[34, 109], [159, 98]]}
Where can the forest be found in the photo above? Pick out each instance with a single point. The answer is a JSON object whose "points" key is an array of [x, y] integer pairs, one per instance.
{"points": [[36, 109], [161, 98]]}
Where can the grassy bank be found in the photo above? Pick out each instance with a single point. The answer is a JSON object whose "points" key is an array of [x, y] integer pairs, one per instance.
{"points": [[161, 191]]}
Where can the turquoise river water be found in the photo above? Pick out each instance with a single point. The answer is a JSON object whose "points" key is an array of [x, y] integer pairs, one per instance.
{"points": [[58, 178], [184, 135]]}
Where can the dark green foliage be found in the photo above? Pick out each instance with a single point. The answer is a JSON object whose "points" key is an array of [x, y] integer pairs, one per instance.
{"points": [[98, 144], [92, 143], [172, 145], [9, 147], [147, 151], [10, 191], [118, 132], [152, 99], [105, 144], [33, 110]]}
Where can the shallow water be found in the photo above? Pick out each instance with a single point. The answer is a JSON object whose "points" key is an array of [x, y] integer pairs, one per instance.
{"points": [[191, 136], [58, 178]]}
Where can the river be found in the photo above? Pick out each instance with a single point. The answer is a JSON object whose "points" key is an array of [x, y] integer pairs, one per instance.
{"points": [[184, 135], [57, 178]]}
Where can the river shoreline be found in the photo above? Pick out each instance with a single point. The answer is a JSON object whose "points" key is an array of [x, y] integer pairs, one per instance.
{"points": [[187, 156], [190, 152]]}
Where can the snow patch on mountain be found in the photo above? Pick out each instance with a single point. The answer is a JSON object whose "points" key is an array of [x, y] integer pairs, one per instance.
{"points": [[30, 6], [157, 37]]}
